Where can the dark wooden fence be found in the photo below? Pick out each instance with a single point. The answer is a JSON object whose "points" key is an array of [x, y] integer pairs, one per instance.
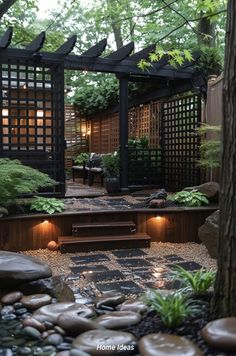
{"points": [[145, 167]]}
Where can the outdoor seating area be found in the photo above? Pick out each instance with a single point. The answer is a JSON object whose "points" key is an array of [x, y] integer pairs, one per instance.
{"points": [[117, 176]]}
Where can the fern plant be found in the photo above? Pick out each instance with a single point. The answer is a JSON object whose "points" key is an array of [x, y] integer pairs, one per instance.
{"points": [[16, 179], [190, 199], [173, 308], [197, 282], [47, 205]]}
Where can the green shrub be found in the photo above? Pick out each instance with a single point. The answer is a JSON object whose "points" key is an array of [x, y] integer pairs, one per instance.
{"points": [[111, 164], [81, 158], [197, 282], [47, 205], [173, 308], [138, 143], [16, 178], [190, 199]]}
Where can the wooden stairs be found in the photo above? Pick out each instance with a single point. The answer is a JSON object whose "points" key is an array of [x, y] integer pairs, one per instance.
{"points": [[103, 236]]}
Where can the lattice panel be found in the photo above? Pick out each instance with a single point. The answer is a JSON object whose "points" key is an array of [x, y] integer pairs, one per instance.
{"points": [[114, 134], [155, 120], [96, 136], [105, 135], [180, 144], [32, 99]]}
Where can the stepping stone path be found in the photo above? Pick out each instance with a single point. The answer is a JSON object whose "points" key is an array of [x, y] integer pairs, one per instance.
{"points": [[119, 319], [36, 301], [221, 334], [167, 345]]}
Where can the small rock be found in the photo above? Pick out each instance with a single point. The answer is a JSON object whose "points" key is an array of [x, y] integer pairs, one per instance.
{"points": [[8, 317], [36, 301], [25, 351], [167, 345], [209, 233], [54, 339], [77, 352], [136, 306], [11, 298], [32, 332], [109, 299], [95, 342], [52, 311], [52, 246], [210, 189], [75, 324], [221, 334], [34, 323], [157, 203], [119, 319]]}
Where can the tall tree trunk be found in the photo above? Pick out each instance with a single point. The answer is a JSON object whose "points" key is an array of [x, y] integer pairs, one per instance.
{"points": [[224, 300], [207, 36], [116, 27]]}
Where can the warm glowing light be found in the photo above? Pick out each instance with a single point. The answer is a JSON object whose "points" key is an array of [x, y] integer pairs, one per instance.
{"points": [[88, 132], [84, 134], [40, 113], [4, 112], [158, 217], [24, 86], [45, 222]]}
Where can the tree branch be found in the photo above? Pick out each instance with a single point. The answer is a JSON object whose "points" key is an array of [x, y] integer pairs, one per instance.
{"points": [[5, 6]]}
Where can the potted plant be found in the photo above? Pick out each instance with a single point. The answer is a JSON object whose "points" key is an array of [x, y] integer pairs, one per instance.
{"points": [[111, 169]]}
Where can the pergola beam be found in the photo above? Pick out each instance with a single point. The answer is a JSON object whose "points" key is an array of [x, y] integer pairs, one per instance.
{"points": [[68, 46], [5, 6], [37, 43], [5, 40], [122, 52], [97, 49]]}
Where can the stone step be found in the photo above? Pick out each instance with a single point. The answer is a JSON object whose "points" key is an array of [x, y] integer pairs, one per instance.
{"points": [[93, 243], [103, 228]]}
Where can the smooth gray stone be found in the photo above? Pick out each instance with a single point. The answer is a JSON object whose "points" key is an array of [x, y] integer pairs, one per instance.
{"points": [[119, 319], [75, 324], [54, 339], [221, 334], [16, 268], [105, 342], [136, 306], [36, 301], [34, 323], [31, 332], [11, 298], [52, 311], [76, 352], [167, 345], [110, 299]]}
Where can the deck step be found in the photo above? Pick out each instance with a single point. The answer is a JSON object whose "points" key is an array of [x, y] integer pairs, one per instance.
{"points": [[93, 243], [103, 228]]}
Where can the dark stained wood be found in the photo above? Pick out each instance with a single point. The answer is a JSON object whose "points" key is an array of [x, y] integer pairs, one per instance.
{"points": [[33, 232], [5, 6], [103, 228], [143, 54], [68, 46], [97, 49], [5, 40], [37, 43], [122, 52]]}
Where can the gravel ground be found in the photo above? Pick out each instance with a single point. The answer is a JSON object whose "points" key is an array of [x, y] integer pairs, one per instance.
{"points": [[60, 263]]}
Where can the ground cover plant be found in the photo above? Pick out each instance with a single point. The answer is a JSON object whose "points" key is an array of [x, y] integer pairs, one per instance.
{"points": [[47, 205]]}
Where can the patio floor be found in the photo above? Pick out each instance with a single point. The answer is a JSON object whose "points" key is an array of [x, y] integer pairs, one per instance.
{"points": [[129, 271]]}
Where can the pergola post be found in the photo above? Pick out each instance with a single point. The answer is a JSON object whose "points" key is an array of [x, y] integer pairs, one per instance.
{"points": [[123, 116]]}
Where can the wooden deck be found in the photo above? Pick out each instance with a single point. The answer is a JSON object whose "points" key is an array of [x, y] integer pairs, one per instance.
{"points": [[30, 232]]}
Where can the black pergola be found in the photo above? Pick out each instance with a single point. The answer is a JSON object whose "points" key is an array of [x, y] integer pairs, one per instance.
{"points": [[123, 63]]}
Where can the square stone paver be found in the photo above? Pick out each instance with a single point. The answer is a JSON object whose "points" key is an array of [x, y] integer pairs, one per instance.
{"points": [[173, 258], [99, 257], [103, 276], [146, 275], [126, 287], [188, 265], [164, 284], [96, 268], [134, 262], [129, 253]]}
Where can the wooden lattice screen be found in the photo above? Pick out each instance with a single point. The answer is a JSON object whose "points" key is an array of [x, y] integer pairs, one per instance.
{"points": [[180, 143], [31, 119], [76, 134]]}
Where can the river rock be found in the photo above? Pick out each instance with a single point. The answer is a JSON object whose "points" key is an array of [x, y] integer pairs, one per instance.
{"points": [[52, 311], [54, 286], [11, 298], [221, 334], [77, 352], [106, 342], [75, 324], [16, 268], [33, 323], [54, 339], [167, 345], [136, 306], [110, 299], [209, 233], [118, 319], [157, 203], [210, 189], [36, 301], [32, 332]]}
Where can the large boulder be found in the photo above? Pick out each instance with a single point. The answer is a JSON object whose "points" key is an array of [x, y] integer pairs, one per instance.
{"points": [[16, 268], [210, 189], [209, 234]]}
